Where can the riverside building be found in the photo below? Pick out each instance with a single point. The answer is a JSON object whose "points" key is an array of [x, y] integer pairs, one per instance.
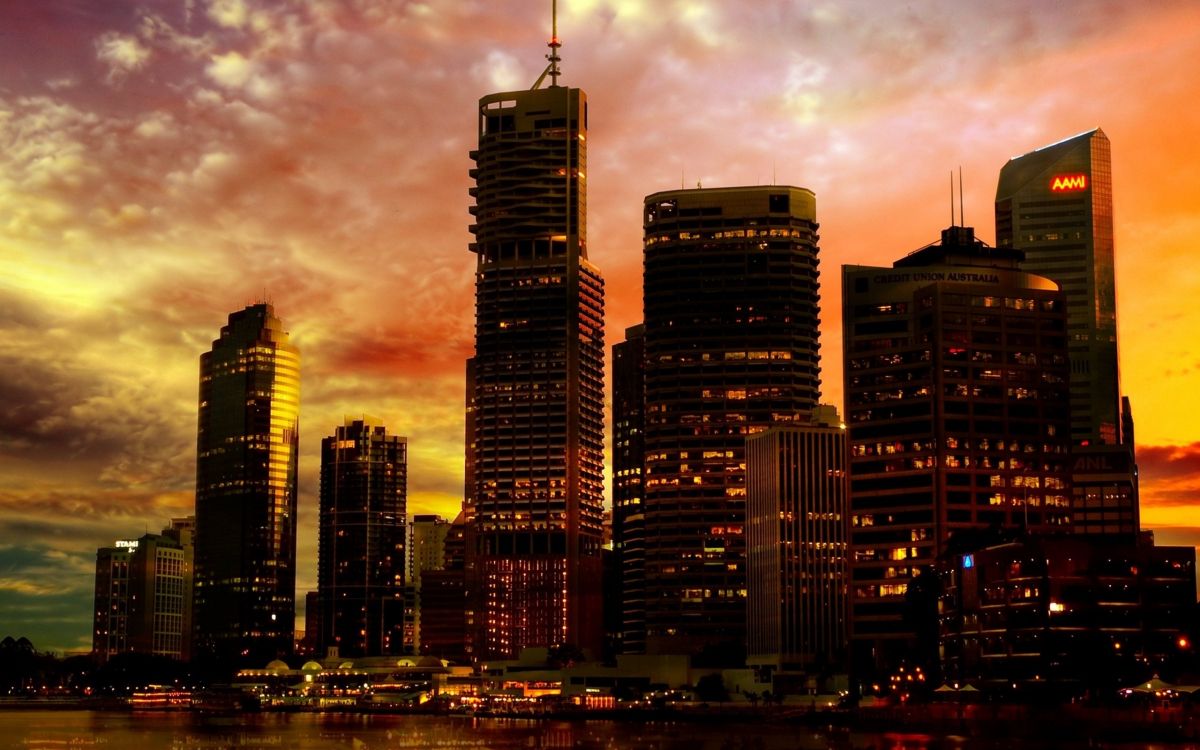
{"points": [[246, 491], [536, 407], [956, 382], [731, 348]]}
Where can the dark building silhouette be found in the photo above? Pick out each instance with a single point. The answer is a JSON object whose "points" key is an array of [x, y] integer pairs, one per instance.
{"points": [[360, 568], [628, 454], [1067, 614], [246, 491], [426, 552], [796, 512], [445, 605], [731, 304], [956, 405], [537, 405]]}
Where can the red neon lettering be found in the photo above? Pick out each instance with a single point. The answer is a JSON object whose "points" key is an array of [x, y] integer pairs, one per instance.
{"points": [[1068, 182]]}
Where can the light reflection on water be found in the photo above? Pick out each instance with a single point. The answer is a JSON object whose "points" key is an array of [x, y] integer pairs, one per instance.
{"points": [[70, 730]]}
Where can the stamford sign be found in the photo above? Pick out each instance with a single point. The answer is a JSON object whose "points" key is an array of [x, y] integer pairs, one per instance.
{"points": [[1069, 183]]}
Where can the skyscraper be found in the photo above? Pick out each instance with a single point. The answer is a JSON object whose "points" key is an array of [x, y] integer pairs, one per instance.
{"points": [[628, 458], [246, 491], [537, 403], [360, 566], [796, 612], [955, 387], [1055, 204], [731, 348]]}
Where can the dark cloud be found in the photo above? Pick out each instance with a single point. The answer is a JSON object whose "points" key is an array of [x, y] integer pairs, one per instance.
{"points": [[1169, 462]]}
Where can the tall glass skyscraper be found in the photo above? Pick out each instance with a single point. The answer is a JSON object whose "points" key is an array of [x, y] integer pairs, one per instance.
{"points": [[246, 491], [537, 400], [731, 348], [1055, 204], [360, 569]]}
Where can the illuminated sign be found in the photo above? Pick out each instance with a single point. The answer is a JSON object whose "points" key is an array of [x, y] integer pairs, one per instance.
{"points": [[126, 544], [968, 561], [1069, 183]]}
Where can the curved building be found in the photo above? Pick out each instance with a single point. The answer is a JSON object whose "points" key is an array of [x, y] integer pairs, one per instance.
{"points": [[731, 348], [245, 577]]}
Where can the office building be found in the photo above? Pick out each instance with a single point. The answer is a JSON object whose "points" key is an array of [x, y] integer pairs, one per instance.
{"points": [[537, 406], [1055, 205], [1067, 614], [731, 348], [628, 454], [956, 406], [446, 613], [426, 552], [143, 596], [360, 566], [246, 492], [796, 610]]}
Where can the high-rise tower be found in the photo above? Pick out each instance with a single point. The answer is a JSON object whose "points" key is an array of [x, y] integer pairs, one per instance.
{"points": [[360, 571], [731, 348], [246, 491], [955, 387], [537, 402], [1055, 204], [628, 491]]}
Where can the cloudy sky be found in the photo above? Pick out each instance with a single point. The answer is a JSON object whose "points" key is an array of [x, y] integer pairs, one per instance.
{"points": [[165, 162]]}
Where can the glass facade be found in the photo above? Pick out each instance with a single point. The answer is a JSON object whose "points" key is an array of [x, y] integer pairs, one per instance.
{"points": [[361, 554], [246, 491], [1055, 204]]}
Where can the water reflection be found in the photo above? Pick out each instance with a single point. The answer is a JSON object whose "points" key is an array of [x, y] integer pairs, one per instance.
{"points": [[183, 731]]}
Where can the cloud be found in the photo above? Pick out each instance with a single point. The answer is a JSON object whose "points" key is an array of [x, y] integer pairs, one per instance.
{"points": [[1161, 462], [228, 13], [122, 54]]}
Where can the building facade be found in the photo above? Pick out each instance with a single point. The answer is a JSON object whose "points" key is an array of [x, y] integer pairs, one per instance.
{"points": [[246, 491], [628, 456], [426, 552], [1067, 614], [537, 404], [796, 611], [362, 525], [143, 597], [956, 407], [731, 348], [1055, 205]]}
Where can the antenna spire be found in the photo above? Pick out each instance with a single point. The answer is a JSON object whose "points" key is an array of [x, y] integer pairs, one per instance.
{"points": [[551, 69], [554, 44], [952, 199], [960, 197]]}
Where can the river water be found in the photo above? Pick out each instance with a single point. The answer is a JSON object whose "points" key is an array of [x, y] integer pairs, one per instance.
{"points": [[71, 730]]}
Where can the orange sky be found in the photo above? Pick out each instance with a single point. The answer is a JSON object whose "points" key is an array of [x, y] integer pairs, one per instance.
{"points": [[162, 167]]}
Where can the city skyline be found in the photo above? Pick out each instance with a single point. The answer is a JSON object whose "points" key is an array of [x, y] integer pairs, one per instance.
{"points": [[152, 150]]}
